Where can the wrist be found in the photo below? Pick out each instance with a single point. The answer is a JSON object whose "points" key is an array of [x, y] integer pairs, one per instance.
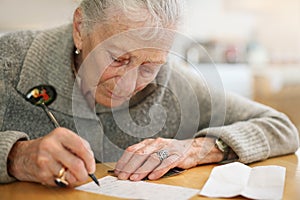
{"points": [[207, 151], [223, 147], [228, 154], [12, 159]]}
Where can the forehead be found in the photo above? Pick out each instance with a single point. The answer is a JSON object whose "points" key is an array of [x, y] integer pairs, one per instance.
{"points": [[129, 34], [147, 39]]}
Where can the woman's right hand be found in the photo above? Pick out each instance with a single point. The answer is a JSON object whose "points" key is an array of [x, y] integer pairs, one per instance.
{"points": [[40, 160]]}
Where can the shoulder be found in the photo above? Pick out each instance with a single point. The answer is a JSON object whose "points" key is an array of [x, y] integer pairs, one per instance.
{"points": [[15, 44], [13, 50]]}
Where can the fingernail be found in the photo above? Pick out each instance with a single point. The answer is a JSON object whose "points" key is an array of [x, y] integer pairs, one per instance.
{"points": [[134, 177], [151, 176], [123, 176]]}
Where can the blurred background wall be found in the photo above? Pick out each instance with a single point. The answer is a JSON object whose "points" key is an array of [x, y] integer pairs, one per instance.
{"points": [[34, 14], [253, 44]]}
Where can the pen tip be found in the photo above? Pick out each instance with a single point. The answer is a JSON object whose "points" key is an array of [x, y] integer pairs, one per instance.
{"points": [[94, 179]]}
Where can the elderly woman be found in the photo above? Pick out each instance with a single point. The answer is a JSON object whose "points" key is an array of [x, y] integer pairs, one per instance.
{"points": [[119, 99]]}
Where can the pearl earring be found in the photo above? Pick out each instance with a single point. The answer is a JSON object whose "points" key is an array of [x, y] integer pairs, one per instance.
{"points": [[77, 51]]}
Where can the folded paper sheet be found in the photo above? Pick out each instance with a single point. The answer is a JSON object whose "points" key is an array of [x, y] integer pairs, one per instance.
{"points": [[262, 182], [111, 186]]}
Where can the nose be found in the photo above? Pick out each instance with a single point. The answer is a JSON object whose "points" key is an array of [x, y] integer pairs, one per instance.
{"points": [[126, 84]]}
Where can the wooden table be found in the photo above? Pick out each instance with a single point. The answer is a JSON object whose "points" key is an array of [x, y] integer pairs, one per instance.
{"points": [[193, 178]]}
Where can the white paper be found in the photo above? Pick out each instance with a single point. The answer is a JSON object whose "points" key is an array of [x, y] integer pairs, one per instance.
{"points": [[111, 186], [262, 182]]}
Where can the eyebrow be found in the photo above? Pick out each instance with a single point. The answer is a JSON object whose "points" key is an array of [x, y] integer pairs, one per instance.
{"points": [[122, 52], [156, 62]]}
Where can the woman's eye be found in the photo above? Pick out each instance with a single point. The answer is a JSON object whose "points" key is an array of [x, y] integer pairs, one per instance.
{"points": [[114, 59], [117, 62], [146, 71]]}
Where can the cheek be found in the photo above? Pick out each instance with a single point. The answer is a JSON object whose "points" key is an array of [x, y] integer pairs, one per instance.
{"points": [[108, 74]]}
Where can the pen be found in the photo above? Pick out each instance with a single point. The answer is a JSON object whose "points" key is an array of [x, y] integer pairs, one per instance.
{"points": [[94, 179], [51, 116], [34, 96]]}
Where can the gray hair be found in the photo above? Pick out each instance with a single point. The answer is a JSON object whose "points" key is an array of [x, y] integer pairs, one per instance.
{"points": [[162, 13]]}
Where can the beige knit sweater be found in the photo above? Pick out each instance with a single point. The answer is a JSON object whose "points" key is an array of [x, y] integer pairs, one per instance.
{"points": [[179, 104]]}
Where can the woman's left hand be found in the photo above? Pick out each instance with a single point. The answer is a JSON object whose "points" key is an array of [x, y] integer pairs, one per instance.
{"points": [[142, 159]]}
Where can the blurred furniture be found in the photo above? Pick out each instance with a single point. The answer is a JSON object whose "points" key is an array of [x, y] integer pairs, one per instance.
{"points": [[279, 87], [235, 78]]}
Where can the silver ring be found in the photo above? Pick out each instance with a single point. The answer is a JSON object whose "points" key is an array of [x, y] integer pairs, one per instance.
{"points": [[162, 154]]}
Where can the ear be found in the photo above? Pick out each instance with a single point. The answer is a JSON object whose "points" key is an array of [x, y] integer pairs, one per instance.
{"points": [[77, 28]]}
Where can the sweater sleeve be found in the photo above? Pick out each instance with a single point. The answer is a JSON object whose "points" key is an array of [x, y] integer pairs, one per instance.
{"points": [[7, 140], [252, 130]]}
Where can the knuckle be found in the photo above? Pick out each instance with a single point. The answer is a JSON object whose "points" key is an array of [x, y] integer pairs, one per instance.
{"points": [[45, 145], [60, 132], [149, 140], [140, 152], [159, 140], [153, 157], [42, 162], [57, 131], [44, 176], [78, 165], [130, 149]]}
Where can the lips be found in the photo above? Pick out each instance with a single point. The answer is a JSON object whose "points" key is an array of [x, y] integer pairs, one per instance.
{"points": [[116, 97]]}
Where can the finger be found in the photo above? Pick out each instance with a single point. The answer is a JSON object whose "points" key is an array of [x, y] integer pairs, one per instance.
{"points": [[70, 177], [137, 159], [78, 146], [48, 175], [136, 155], [128, 153], [54, 156], [91, 168], [64, 157], [164, 167], [149, 165], [70, 161]]}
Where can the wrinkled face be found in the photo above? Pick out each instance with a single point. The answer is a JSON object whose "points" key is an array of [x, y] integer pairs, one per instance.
{"points": [[117, 65]]}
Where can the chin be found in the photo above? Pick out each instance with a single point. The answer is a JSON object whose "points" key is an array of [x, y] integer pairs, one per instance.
{"points": [[110, 103]]}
